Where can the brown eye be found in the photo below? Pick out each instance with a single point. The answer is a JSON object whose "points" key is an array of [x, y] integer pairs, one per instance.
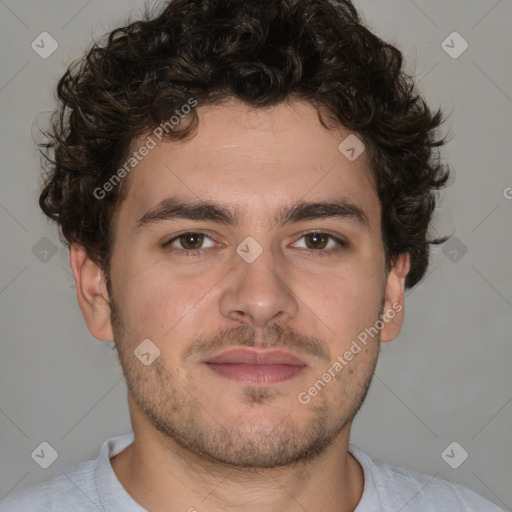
{"points": [[191, 240], [320, 243], [190, 243], [316, 240]]}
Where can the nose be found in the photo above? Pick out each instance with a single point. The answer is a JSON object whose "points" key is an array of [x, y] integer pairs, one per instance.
{"points": [[258, 292]]}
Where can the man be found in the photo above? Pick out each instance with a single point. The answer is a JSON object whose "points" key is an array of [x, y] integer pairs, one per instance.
{"points": [[246, 189]]}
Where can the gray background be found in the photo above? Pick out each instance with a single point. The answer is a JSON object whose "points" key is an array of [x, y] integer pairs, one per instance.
{"points": [[446, 378]]}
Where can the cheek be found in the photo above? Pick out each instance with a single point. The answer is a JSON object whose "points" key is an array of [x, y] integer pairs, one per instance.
{"points": [[158, 304], [344, 302]]}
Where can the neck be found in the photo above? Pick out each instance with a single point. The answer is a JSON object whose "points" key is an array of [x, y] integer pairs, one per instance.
{"points": [[161, 475]]}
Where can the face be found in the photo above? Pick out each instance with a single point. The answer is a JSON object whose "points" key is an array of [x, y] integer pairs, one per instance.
{"points": [[243, 260]]}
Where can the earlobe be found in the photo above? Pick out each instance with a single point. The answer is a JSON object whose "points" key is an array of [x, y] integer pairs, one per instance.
{"points": [[92, 293], [393, 314]]}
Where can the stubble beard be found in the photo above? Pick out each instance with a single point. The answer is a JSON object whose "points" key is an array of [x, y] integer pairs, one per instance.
{"points": [[192, 429]]}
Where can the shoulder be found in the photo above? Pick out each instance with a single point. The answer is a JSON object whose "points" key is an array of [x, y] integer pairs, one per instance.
{"points": [[80, 488], [71, 489], [394, 486]]}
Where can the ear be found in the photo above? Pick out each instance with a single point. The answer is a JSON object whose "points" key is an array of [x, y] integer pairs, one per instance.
{"points": [[393, 314], [92, 293]]}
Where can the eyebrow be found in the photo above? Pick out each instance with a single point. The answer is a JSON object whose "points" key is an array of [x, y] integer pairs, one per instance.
{"points": [[174, 208]]}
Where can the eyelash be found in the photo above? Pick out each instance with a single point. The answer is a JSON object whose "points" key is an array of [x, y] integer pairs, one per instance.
{"points": [[312, 252]]}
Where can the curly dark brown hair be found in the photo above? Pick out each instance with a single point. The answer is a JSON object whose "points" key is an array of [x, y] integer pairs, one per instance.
{"points": [[262, 52]]}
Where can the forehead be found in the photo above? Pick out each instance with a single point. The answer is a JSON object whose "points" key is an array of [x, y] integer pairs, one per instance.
{"points": [[253, 159]]}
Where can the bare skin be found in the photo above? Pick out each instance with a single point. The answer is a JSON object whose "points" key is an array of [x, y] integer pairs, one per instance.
{"points": [[204, 441]]}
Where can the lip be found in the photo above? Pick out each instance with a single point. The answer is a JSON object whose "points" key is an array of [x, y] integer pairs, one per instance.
{"points": [[256, 366], [255, 357]]}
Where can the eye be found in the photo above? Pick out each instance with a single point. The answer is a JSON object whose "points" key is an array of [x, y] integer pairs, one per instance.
{"points": [[190, 242], [317, 241]]}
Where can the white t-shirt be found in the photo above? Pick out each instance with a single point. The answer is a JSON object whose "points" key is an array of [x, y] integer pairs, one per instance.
{"points": [[93, 486]]}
